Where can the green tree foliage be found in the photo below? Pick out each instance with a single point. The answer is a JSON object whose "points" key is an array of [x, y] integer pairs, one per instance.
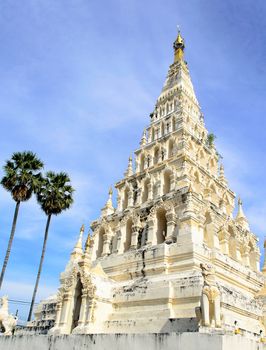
{"points": [[21, 178], [55, 194]]}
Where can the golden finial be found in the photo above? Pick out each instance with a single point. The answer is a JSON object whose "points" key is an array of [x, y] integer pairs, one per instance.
{"points": [[110, 191], [82, 228], [179, 46], [239, 201]]}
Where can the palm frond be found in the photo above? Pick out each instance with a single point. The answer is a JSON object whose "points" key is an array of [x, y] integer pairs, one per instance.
{"points": [[22, 174], [55, 193]]}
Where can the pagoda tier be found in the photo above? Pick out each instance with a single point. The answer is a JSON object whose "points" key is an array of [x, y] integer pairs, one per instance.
{"points": [[170, 257]]}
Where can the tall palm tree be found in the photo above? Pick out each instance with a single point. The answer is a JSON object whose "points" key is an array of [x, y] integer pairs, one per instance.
{"points": [[54, 195], [21, 179]]}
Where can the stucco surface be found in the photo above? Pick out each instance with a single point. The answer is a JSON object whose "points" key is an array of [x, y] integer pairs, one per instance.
{"points": [[188, 341]]}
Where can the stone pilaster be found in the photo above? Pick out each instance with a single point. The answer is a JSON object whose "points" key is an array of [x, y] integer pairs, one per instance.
{"points": [[172, 182], [130, 199], [64, 321], [134, 236], [118, 241], [106, 243], [238, 251], [246, 255], [171, 223], [83, 309], [150, 235], [149, 185], [224, 241]]}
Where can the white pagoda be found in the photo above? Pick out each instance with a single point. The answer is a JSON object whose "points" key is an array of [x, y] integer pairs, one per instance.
{"points": [[171, 257]]}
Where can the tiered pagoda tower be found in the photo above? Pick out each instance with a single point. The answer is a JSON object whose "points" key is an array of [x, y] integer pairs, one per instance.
{"points": [[171, 257]]}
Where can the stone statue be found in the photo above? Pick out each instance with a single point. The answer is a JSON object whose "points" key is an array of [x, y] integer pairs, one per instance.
{"points": [[7, 321], [210, 299]]}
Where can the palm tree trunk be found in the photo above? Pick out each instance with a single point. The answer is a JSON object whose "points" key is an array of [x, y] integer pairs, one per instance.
{"points": [[9, 243], [40, 266]]}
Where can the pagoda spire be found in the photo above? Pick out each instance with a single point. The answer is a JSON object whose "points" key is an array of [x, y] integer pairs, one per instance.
{"points": [[179, 47], [222, 176], [108, 208], [109, 203], [241, 217], [78, 251], [129, 170], [88, 246], [143, 139]]}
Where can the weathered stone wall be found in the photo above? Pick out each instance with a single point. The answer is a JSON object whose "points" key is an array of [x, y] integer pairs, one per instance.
{"points": [[187, 341]]}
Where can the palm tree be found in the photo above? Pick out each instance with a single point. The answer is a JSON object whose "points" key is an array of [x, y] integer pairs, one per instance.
{"points": [[21, 179], [54, 195]]}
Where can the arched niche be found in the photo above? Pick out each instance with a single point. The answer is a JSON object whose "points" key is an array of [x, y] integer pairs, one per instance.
{"points": [[161, 232], [76, 303]]}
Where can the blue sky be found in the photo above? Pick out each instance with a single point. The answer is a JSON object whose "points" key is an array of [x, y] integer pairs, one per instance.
{"points": [[78, 81]]}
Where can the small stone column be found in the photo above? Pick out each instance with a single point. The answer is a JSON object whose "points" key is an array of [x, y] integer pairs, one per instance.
{"points": [[150, 235], [119, 202], [90, 314], [130, 199], [138, 197], [58, 313], [134, 236], [245, 255], [216, 242], [159, 189], [224, 241], [149, 186], [65, 320], [238, 253], [145, 163], [257, 258], [172, 182], [118, 241], [171, 222], [83, 309], [106, 244]]}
